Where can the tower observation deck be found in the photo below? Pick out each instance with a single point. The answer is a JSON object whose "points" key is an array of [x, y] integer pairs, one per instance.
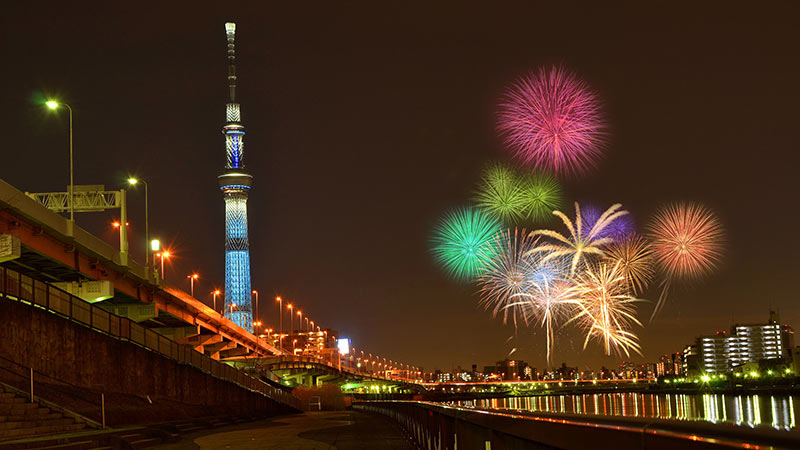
{"points": [[235, 185]]}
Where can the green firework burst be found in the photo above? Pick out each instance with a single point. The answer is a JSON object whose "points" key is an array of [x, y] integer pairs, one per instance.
{"points": [[463, 243], [542, 196], [501, 194], [515, 198]]}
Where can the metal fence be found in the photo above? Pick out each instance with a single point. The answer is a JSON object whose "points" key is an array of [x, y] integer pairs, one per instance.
{"points": [[19, 287]]}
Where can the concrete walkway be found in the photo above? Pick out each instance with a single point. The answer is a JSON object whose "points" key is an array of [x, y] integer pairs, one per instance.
{"points": [[342, 430]]}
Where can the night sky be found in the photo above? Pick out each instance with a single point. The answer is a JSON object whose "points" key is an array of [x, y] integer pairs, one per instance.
{"points": [[365, 125]]}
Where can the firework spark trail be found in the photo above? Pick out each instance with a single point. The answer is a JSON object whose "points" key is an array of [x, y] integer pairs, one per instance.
{"points": [[607, 311], [552, 121], [548, 300], [463, 242], [579, 244], [507, 274], [687, 241], [635, 258]]}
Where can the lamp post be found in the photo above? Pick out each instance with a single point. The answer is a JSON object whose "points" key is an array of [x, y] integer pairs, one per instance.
{"points": [[164, 254], [133, 182], [233, 305], [300, 313], [280, 317], [291, 319], [215, 293], [54, 105], [191, 278], [255, 304], [155, 247]]}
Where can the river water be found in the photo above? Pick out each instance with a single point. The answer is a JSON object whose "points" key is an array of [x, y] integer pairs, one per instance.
{"points": [[777, 411]]}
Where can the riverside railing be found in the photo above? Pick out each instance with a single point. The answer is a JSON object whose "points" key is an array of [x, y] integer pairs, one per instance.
{"points": [[444, 427], [19, 287]]}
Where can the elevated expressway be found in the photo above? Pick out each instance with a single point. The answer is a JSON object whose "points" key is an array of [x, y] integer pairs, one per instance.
{"points": [[45, 246]]}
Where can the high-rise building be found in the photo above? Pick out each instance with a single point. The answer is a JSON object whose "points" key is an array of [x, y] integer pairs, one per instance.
{"points": [[691, 360], [235, 185], [721, 352], [677, 363], [511, 369]]}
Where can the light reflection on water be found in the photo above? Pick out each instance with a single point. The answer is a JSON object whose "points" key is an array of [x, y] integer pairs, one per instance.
{"points": [[776, 411]]}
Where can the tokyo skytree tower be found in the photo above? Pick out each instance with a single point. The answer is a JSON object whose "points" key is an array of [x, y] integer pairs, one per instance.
{"points": [[235, 186]]}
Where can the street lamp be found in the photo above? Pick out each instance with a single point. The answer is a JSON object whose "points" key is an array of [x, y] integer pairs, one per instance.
{"points": [[233, 305], [155, 246], [191, 278], [300, 313], [291, 318], [255, 304], [52, 104], [163, 255], [133, 182], [280, 315], [215, 293]]}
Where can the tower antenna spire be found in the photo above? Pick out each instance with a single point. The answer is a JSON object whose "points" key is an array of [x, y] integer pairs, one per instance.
{"points": [[230, 31], [235, 183]]}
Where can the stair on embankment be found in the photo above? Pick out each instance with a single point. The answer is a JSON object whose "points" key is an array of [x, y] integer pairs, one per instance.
{"points": [[20, 418]]}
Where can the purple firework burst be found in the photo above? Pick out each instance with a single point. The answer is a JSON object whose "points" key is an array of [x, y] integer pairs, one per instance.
{"points": [[618, 229], [552, 121]]}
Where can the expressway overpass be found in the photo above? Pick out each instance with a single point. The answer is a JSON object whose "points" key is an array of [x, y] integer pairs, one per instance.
{"points": [[39, 243]]}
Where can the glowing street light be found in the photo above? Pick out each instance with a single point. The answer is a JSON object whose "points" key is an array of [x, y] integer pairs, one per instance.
{"points": [[215, 293], [255, 304], [165, 254], [155, 246], [280, 315], [300, 313], [52, 104], [133, 182], [291, 318], [192, 278]]}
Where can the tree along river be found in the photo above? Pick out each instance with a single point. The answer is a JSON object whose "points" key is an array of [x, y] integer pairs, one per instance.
{"points": [[777, 411]]}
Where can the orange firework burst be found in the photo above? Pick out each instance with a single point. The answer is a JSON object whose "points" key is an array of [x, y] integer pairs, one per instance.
{"points": [[607, 310], [687, 244], [635, 258], [687, 240]]}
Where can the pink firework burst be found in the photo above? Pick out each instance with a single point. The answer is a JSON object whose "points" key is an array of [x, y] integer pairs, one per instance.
{"points": [[552, 120], [687, 240]]}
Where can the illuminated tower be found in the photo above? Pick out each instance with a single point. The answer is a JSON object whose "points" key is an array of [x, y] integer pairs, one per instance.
{"points": [[235, 186]]}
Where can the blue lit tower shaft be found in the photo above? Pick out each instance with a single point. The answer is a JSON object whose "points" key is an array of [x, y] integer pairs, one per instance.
{"points": [[235, 186]]}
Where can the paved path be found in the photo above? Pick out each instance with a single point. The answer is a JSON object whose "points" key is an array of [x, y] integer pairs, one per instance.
{"points": [[342, 430]]}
